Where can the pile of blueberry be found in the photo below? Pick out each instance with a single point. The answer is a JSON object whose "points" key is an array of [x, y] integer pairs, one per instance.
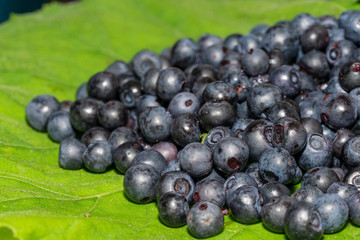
{"points": [[220, 126]]}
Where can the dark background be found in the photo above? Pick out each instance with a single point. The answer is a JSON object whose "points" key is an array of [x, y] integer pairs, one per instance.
{"points": [[21, 6]]}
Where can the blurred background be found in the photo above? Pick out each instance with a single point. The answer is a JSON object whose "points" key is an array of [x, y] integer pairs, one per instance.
{"points": [[22, 6]]}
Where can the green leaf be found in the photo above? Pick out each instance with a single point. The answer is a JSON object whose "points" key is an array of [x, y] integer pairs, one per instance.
{"points": [[56, 49]]}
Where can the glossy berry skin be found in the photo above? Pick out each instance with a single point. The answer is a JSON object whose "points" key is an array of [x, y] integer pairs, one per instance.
{"points": [[144, 61], [303, 221], [112, 114], [140, 183], [196, 159], [315, 64], [204, 220], [70, 154], [155, 124], [273, 213], [349, 75], [184, 53], [217, 134], [201, 71], [173, 209], [167, 149], [255, 61], [121, 135], [95, 134], [343, 190], [277, 165], [287, 78], [317, 152], [150, 157], [81, 92], [103, 86], [307, 194], [83, 113], [235, 181], [230, 155], [341, 137], [210, 190], [183, 102], [271, 190], [310, 109], [207, 40], [213, 54], [246, 43], [149, 80], [302, 22], [352, 177], [354, 209], [315, 37], [147, 100], [239, 126], [219, 91], [199, 86], [340, 51], [245, 204], [59, 126], [124, 154], [97, 157], [333, 211], [320, 177], [257, 136], [253, 171], [289, 134], [311, 125], [351, 152], [185, 129], [118, 67], [263, 97], [173, 165], [351, 27], [231, 41], [39, 110], [169, 83], [213, 114], [175, 181], [280, 110]]}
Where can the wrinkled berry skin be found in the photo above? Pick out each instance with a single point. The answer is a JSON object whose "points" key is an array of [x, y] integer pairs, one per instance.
{"points": [[339, 111], [257, 136], [39, 110], [333, 211], [277, 165], [196, 159], [210, 190], [273, 213], [155, 123], [173, 209], [317, 152], [289, 134], [83, 114], [245, 204], [213, 114], [303, 221], [231, 155], [320, 177], [205, 220], [263, 97], [307, 194], [354, 209], [59, 126], [124, 154], [175, 181], [103, 86], [351, 152], [70, 154], [140, 182]]}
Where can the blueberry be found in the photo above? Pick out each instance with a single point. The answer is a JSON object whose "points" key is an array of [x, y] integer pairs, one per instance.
{"points": [[349, 75], [169, 83], [155, 123], [315, 37], [124, 154], [255, 61], [232, 40], [121, 135], [173, 165], [287, 78], [271, 190], [199, 86], [340, 51], [213, 114], [311, 125], [239, 126], [320, 177], [245, 204], [219, 91], [118, 67], [210, 190], [259, 31], [246, 43], [217, 134], [350, 26], [39, 110], [253, 171], [307, 194], [183, 102], [59, 126], [103, 86], [65, 105], [273, 213], [83, 113], [280, 110], [310, 109], [150, 157], [303, 221], [350, 152], [317, 153], [167, 149], [341, 137], [184, 53], [81, 92], [301, 22], [230, 155], [149, 80], [205, 219], [173, 209], [97, 157], [175, 181], [354, 209], [140, 182], [315, 63], [213, 54], [235, 181], [333, 211], [196, 159], [144, 61], [70, 153], [201, 71], [343, 190], [207, 40], [95, 134], [185, 129], [146, 100]]}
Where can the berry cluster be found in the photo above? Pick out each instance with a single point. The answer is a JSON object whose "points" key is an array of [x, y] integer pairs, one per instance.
{"points": [[218, 125]]}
